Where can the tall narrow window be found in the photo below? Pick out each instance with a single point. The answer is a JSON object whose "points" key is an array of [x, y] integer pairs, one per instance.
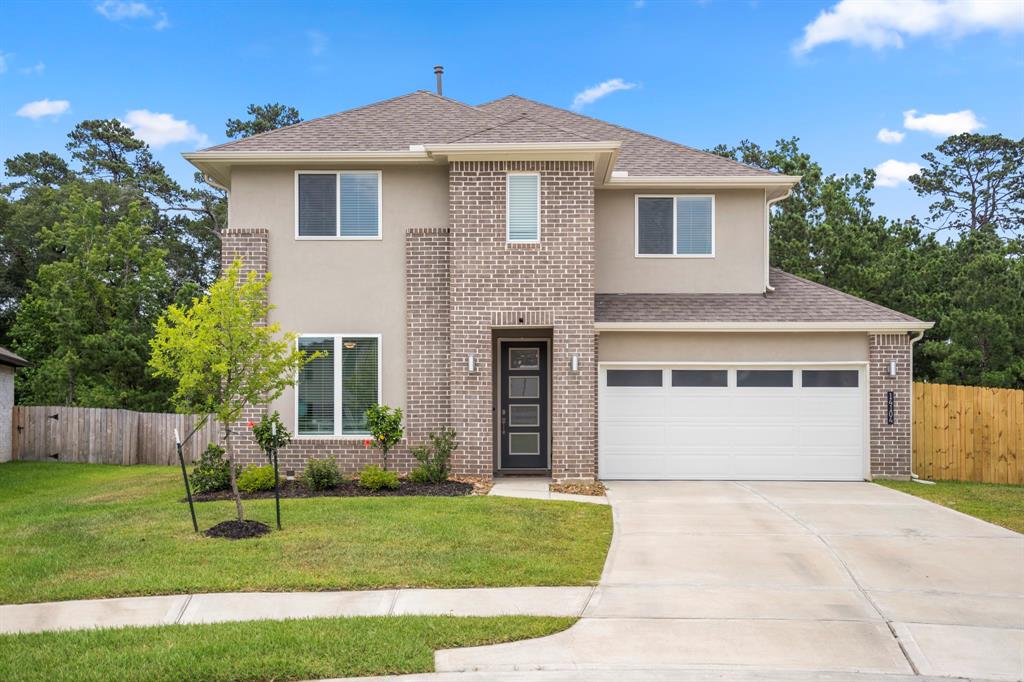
{"points": [[523, 207], [337, 205], [670, 226], [337, 387], [316, 387], [359, 369]]}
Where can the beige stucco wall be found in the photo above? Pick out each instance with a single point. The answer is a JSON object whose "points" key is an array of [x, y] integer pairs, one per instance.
{"points": [[737, 267], [6, 407], [734, 347], [342, 286]]}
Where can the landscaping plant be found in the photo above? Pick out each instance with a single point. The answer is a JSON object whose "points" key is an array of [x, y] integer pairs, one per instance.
{"points": [[321, 474], [270, 433], [434, 458], [256, 479], [211, 474], [385, 425], [222, 355], [372, 477]]}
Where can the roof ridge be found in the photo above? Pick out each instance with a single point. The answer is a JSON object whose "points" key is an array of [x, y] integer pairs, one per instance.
{"points": [[455, 101], [522, 116], [341, 113], [631, 130], [841, 292]]}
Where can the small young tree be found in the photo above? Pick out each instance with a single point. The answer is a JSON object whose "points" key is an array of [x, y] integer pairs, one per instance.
{"points": [[385, 425], [223, 355]]}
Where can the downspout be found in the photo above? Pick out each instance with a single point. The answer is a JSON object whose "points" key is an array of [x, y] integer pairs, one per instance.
{"points": [[913, 476], [768, 288]]}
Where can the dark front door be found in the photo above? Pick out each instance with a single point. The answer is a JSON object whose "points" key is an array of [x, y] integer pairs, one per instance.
{"points": [[523, 425]]}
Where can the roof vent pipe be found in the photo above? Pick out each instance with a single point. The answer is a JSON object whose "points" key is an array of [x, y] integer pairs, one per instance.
{"points": [[439, 72]]}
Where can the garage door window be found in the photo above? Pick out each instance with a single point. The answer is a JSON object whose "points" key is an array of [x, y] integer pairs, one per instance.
{"points": [[764, 378], [710, 378], [829, 378], [634, 377]]}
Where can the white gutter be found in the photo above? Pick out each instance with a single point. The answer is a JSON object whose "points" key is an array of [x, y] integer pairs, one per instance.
{"points": [[700, 181], [866, 327], [767, 217], [299, 157]]}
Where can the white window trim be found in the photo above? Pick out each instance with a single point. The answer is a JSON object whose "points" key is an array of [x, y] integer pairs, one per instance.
{"points": [[337, 205], [508, 237], [675, 235], [338, 383]]}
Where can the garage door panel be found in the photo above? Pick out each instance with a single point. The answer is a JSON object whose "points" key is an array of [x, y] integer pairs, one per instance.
{"points": [[768, 433]]}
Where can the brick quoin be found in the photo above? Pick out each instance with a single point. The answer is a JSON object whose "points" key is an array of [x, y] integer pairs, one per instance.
{"points": [[250, 246], [890, 443]]}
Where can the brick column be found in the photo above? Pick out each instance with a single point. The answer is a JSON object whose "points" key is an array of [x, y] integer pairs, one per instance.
{"points": [[890, 443], [428, 392], [251, 246]]}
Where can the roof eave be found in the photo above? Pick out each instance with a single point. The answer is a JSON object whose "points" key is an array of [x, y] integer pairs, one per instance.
{"points": [[691, 326], [703, 181]]}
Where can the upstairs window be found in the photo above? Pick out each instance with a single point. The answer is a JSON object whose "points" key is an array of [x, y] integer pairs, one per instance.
{"points": [[675, 226], [523, 207], [337, 204]]}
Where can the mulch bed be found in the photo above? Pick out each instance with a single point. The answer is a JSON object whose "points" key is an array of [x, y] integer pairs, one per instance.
{"points": [[295, 489], [237, 530], [596, 489]]}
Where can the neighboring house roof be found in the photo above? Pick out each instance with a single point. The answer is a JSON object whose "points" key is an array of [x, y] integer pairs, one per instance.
{"points": [[423, 118], [11, 359], [795, 302]]}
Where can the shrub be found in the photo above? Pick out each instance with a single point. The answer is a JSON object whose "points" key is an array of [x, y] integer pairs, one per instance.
{"points": [[321, 474], [264, 433], [385, 426], [256, 479], [211, 473], [435, 458], [372, 477]]}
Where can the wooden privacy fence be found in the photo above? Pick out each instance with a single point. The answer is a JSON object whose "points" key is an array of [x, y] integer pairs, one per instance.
{"points": [[968, 433], [98, 436]]}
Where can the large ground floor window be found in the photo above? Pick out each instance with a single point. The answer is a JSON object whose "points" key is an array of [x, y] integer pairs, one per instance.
{"points": [[337, 387]]}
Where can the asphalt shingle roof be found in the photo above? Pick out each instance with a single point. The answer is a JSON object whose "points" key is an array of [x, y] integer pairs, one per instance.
{"points": [[425, 118], [11, 359], [794, 300]]}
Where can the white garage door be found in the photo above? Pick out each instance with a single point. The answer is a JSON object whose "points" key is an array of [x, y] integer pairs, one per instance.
{"points": [[739, 423]]}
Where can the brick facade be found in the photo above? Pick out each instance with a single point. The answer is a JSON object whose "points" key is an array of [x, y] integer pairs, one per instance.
{"points": [[250, 246], [496, 285], [890, 443]]}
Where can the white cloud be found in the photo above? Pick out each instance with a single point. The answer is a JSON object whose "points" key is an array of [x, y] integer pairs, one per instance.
{"points": [[120, 10], [3, 61], [878, 24], [639, 4], [160, 130], [42, 108], [591, 95], [890, 136], [893, 173], [943, 124], [318, 42], [35, 70], [116, 10]]}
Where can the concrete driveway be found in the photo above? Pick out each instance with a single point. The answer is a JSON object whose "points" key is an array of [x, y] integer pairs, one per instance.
{"points": [[839, 577]]}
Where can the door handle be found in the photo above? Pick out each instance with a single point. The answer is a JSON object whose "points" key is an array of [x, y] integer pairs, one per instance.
{"points": [[503, 422]]}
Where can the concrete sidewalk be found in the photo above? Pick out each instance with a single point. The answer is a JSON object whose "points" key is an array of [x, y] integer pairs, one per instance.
{"points": [[537, 488], [224, 607]]}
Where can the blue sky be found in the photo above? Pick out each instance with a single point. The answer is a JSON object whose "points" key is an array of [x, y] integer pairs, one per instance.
{"points": [[701, 73]]}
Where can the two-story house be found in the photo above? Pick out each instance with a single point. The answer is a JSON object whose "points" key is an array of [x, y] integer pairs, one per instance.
{"points": [[571, 296]]}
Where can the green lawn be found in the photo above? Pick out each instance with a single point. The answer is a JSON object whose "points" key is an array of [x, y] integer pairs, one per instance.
{"points": [[76, 531], [997, 503], [257, 650]]}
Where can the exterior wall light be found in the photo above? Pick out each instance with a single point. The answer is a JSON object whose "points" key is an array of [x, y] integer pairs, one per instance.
{"points": [[892, 368], [471, 363], [574, 364]]}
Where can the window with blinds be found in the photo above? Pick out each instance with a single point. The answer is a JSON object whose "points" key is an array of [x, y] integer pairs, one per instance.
{"points": [[675, 225], [523, 207], [337, 388], [340, 205], [316, 387]]}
